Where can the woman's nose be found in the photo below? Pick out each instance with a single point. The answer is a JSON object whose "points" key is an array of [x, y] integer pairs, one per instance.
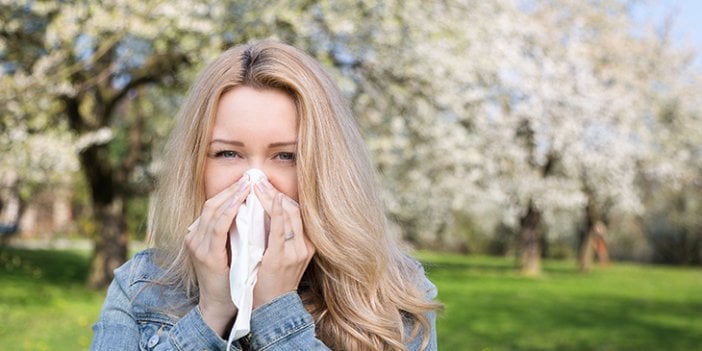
{"points": [[256, 163]]}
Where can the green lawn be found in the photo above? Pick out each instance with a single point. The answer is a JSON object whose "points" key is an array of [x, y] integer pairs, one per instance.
{"points": [[488, 306], [44, 304]]}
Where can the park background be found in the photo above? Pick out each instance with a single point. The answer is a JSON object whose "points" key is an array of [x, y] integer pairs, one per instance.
{"points": [[542, 158]]}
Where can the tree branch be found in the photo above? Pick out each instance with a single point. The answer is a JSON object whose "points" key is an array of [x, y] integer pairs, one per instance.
{"points": [[155, 69]]}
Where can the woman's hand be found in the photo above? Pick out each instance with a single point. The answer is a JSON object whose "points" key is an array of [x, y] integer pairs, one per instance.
{"points": [[207, 244], [289, 250]]}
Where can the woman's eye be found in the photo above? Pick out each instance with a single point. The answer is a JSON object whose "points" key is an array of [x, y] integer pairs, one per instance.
{"points": [[227, 154], [286, 156]]}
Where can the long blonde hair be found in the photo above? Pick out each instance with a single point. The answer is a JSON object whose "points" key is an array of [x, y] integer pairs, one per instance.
{"points": [[359, 286]]}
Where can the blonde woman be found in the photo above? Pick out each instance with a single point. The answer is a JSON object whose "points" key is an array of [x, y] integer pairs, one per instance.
{"points": [[331, 276]]}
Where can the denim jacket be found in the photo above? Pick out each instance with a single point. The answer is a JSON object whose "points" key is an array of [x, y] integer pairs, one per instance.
{"points": [[138, 315]]}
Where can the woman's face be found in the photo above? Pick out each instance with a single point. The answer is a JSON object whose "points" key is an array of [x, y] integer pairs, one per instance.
{"points": [[253, 129]]}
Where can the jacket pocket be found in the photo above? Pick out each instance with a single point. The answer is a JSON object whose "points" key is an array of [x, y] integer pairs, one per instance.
{"points": [[153, 332]]}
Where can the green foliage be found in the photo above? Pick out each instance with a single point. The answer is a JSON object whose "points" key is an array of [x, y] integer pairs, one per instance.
{"points": [[489, 306], [674, 226], [137, 211], [476, 240]]}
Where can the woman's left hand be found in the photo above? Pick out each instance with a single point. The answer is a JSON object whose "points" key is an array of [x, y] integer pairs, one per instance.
{"points": [[289, 250]]}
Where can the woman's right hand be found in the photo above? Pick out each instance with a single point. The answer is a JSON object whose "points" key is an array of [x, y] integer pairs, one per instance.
{"points": [[289, 250], [207, 244]]}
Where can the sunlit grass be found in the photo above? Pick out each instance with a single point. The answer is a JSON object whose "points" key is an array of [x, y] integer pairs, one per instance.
{"points": [[44, 304], [489, 306]]}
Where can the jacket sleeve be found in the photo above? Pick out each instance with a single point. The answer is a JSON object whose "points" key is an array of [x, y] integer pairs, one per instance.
{"points": [[118, 328], [284, 324]]}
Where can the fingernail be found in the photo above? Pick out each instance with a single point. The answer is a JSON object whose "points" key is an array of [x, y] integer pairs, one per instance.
{"points": [[266, 184]]}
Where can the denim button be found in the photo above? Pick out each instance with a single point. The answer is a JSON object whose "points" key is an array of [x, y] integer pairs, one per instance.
{"points": [[152, 341]]}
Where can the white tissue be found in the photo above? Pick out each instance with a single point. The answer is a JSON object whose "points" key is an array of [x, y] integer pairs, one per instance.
{"points": [[248, 241], [247, 237]]}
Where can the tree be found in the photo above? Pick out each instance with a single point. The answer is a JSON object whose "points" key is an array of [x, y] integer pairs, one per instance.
{"points": [[507, 112], [95, 72], [570, 122], [87, 63], [408, 70], [671, 172]]}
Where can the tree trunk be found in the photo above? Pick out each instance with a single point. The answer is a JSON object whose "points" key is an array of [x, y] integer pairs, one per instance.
{"points": [[529, 242], [111, 241], [585, 249], [10, 200], [109, 215], [93, 107], [592, 237]]}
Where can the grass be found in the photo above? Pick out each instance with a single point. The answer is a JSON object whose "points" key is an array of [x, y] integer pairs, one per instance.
{"points": [[44, 304], [489, 306]]}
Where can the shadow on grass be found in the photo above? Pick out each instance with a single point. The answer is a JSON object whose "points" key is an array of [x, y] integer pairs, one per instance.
{"points": [[588, 323], [490, 306], [50, 266]]}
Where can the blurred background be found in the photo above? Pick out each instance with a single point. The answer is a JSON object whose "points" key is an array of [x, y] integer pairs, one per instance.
{"points": [[518, 142]]}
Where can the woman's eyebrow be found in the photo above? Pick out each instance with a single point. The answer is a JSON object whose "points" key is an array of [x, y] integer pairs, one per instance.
{"points": [[230, 142], [282, 144]]}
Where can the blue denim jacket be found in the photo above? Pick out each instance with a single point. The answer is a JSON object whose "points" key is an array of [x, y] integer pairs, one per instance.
{"points": [[137, 315]]}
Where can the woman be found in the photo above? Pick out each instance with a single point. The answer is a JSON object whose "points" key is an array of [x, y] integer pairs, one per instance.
{"points": [[331, 276]]}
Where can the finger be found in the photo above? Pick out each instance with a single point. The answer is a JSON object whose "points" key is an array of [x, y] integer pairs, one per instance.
{"points": [[288, 233], [200, 239], [223, 222], [214, 203], [226, 210], [296, 220], [292, 218], [231, 205], [265, 192], [275, 238]]}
